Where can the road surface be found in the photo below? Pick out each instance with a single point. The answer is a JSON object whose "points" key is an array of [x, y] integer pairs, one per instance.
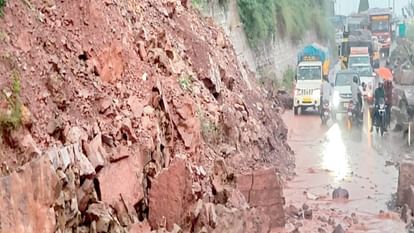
{"points": [[336, 155]]}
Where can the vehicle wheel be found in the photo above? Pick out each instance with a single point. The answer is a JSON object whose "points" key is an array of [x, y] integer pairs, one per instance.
{"points": [[324, 120], [295, 110], [377, 129]]}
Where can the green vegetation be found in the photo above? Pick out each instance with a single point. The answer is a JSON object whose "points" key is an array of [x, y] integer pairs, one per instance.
{"points": [[210, 131], [2, 4], [268, 79], [272, 83], [12, 118], [263, 18], [288, 78], [363, 5], [185, 82], [204, 4]]}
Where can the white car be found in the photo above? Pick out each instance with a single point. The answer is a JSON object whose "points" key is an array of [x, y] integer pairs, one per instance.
{"points": [[368, 79], [342, 90]]}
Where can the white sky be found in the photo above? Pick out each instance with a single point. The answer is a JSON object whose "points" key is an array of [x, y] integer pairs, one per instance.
{"points": [[345, 7]]}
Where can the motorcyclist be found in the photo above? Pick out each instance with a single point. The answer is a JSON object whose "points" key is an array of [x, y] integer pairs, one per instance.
{"points": [[357, 95], [378, 94], [326, 93]]}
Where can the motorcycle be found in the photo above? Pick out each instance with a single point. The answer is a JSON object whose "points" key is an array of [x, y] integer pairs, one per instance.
{"points": [[326, 112], [352, 114], [380, 119]]}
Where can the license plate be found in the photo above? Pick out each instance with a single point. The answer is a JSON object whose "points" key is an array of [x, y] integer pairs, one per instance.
{"points": [[346, 105], [349, 113], [307, 99], [326, 113]]}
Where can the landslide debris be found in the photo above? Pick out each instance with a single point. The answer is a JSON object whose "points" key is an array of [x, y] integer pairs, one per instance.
{"points": [[143, 113]]}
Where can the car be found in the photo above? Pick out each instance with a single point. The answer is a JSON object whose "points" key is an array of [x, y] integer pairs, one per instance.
{"points": [[369, 81], [342, 94]]}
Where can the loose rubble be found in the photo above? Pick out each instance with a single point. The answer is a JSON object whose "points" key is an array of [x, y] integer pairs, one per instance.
{"points": [[123, 100]]}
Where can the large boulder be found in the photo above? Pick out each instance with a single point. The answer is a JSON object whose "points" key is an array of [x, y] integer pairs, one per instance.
{"points": [[240, 221], [405, 180], [170, 196], [26, 198], [263, 190], [121, 184]]}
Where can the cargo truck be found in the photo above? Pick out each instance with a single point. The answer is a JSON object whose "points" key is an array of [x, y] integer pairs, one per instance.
{"points": [[313, 65], [380, 24]]}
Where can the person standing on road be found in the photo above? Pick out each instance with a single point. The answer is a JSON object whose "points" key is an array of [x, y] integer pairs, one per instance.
{"points": [[357, 95]]}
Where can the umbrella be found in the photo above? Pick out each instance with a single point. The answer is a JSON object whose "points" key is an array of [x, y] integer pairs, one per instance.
{"points": [[385, 73]]}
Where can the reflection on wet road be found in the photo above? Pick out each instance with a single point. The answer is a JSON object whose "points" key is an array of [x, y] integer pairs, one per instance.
{"points": [[336, 155]]}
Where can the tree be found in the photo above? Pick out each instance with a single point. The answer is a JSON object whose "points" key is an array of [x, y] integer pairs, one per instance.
{"points": [[363, 5]]}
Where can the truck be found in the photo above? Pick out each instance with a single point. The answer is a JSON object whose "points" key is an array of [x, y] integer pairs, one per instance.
{"points": [[380, 25], [356, 46], [313, 65]]}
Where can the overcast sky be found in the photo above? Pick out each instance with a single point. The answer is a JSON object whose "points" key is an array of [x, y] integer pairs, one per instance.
{"points": [[345, 7]]}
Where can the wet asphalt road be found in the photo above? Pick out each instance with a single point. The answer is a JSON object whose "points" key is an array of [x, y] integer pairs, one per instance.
{"points": [[336, 155]]}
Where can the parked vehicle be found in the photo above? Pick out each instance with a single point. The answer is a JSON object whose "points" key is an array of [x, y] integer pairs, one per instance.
{"points": [[313, 65]]}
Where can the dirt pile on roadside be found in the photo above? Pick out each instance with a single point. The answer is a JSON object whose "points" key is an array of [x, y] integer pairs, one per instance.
{"points": [[135, 103]]}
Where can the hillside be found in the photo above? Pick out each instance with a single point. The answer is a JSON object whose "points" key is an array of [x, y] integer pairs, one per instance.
{"points": [[142, 110]]}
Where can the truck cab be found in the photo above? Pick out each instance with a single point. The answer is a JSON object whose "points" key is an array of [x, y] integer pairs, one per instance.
{"points": [[309, 77], [380, 24]]}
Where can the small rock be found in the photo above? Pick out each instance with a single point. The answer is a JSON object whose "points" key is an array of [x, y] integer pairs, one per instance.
{"points": [[292, 211], [331, 221], [321, 230], [148, 110], [340, 193], [29, 146], [354, 218], [121, 153], [75, 135], [54, 125], [176, 229], [305, 206], [95, 152], [322, 219], [104, 104], [27, 118], [339, 229], [308, 214]]}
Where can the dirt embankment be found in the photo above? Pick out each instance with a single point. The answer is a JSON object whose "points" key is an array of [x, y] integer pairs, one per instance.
{"points": [[141, 108]]}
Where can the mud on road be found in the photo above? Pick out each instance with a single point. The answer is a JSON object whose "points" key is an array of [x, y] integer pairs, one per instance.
{"points": [[335, 155]]}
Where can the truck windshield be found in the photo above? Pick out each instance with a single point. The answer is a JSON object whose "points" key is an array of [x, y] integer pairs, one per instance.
{"points": [[309, 73], [358, 60], [363, 70], [380, 26], [344, 79]]}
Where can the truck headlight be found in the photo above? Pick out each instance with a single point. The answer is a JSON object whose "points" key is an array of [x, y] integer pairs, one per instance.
{"points": [[336, 99], [389, 39]]}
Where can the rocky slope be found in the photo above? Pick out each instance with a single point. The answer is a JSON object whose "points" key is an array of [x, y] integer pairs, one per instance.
{"points": [[142, 110]]}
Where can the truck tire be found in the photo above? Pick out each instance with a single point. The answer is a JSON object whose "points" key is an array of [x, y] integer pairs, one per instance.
{"points": [[295, 110]]}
